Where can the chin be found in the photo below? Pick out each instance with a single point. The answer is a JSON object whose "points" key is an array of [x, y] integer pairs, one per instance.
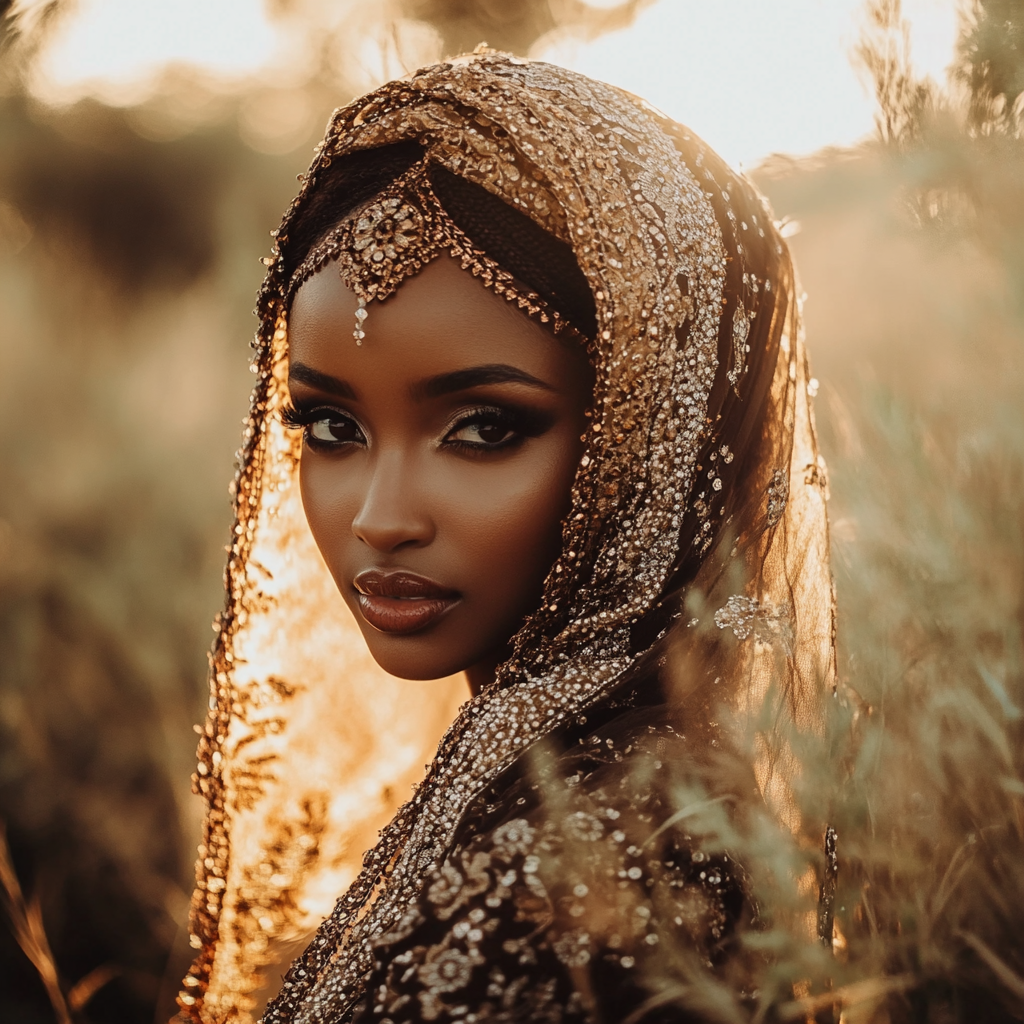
{"points": [[412, 657]]}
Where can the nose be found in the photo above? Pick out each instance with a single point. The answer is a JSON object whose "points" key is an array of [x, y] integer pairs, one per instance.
{"points": [[391, 517]]}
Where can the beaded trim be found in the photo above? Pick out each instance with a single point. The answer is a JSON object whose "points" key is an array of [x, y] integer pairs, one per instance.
{"points": [[396, 235]]}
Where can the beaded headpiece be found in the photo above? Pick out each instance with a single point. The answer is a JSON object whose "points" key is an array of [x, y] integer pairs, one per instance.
{"points": [[398, 233]]}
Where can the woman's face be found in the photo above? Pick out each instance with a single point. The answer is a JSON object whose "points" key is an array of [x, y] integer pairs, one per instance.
{"points": [[437, 461]]}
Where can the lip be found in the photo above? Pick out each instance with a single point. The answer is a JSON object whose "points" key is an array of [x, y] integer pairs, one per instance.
{"points": [[398, 601]]}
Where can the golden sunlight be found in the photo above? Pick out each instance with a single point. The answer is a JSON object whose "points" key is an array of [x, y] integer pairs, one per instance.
{"points": [[755, 78], [790, 86]]}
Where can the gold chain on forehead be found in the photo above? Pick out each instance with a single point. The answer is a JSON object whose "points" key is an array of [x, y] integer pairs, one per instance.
{"points": [[395, 235]]}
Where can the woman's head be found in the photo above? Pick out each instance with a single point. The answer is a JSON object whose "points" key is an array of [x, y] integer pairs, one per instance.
{"points": [[630, 230]]}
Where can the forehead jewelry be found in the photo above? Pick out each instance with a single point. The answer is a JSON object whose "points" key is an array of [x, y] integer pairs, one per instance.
{"points": [[397, 234], [361, 316]]}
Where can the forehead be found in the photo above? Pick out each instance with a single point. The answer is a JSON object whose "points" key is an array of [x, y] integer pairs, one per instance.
{"points": [[439, 320]]}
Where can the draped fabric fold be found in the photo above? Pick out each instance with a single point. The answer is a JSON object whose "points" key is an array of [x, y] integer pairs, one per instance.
{"points": [[695, 554]]}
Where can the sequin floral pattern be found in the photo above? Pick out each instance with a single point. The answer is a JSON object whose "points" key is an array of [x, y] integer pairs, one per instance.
{"points": [[544, 916]]}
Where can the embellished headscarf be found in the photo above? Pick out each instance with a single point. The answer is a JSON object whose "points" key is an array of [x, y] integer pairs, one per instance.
{"points": [[700, 473]]}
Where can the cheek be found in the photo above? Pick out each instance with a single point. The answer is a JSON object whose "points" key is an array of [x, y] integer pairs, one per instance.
{"points": [[507, 521], [330, 500]]}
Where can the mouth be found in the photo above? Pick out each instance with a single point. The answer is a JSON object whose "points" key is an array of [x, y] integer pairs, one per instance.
{"points": [[399, 602]]}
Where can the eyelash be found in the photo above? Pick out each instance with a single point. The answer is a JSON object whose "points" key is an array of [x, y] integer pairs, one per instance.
{"points": [[515, 421], [520, 422], [294, 418]]}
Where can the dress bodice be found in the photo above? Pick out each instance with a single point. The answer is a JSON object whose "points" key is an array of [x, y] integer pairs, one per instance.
{"points": [[577, 891]]}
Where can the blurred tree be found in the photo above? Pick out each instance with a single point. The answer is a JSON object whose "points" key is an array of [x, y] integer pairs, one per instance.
{"points": [[127, 268], [463, 24], [24, 27], [990, 63], [884, 53], [142, 213]]}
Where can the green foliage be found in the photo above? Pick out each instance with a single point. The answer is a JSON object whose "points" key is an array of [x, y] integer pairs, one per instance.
{"points": [[125, 311], [920, 422], [929, 812], [884, 52]]}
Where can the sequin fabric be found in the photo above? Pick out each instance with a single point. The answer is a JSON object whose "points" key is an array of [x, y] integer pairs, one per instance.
{"points": [[658, 226], [563, 910]]}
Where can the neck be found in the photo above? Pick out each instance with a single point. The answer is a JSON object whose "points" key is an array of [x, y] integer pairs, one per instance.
{"points": [[483, 672]]}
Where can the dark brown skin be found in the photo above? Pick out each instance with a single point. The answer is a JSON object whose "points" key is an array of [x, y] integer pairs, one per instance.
{"points": [[463, 482]]}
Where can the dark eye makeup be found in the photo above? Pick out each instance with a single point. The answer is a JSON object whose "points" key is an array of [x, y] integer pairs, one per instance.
{"points": [[493, 428], [323, 427], [473, 432]]}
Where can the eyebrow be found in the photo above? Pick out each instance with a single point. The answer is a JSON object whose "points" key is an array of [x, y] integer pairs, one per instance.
{"points": [[475, 377], [303, 374], [433, 387]]}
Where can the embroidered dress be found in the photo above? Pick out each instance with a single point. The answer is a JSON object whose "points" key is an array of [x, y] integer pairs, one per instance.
{"points": [[542, 869]]}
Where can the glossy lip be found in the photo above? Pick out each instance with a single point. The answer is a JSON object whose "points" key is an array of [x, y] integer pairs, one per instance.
{"points": [[398, 601]]}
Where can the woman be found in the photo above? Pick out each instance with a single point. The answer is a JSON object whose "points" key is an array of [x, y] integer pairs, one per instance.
{"points": [[531, 353]]}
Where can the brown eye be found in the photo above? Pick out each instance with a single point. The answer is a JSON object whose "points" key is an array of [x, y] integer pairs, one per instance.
{"points": [[492, 433], [483, 431], [334, 429]]}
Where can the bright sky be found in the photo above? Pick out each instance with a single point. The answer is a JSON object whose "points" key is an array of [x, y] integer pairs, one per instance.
{"points": [[753, 77]]}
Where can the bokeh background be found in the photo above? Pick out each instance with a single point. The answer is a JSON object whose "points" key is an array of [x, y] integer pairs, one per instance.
{"points": [[147, 148]]}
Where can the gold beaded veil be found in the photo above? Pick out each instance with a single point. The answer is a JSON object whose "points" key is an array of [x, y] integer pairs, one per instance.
{"points": [[700, 471]]}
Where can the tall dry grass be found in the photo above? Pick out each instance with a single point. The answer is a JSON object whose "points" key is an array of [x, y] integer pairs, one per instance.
{"points": [[912, 256]]}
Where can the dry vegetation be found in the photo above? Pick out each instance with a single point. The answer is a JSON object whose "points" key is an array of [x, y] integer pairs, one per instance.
{"points": [[128, 261]]}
